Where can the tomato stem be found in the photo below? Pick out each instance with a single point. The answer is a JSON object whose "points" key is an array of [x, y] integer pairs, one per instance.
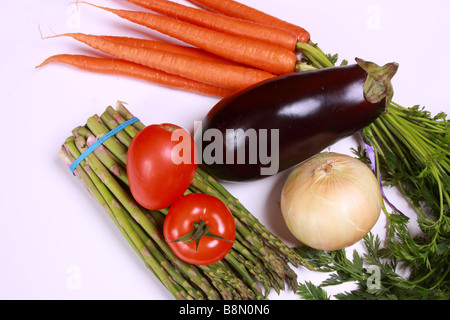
{"points": [[201, 229]]}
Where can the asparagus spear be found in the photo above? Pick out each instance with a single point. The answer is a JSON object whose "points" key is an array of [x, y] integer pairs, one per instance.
{"points": [[233, 259], [109, 121], [113, 164], [130, 130], [99, 129], [257, 267], [126, 114]]}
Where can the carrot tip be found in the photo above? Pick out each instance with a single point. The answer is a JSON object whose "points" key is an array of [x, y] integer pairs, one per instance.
{"points": [[55, 35], [91, 4], [74, 3], [45, 62]]}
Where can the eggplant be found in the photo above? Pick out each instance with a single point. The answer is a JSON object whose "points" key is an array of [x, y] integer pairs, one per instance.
{"points": [[278, 123]]}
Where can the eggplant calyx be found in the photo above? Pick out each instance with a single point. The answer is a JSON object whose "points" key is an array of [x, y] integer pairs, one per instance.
{"points": [[378, 84], [200, 230]]}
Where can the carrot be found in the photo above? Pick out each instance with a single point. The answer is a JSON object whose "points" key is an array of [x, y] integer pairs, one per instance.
{"points": [[169, 47], [258, 54], [133, 70], [217, 74], [219, 22], [238, 10]]}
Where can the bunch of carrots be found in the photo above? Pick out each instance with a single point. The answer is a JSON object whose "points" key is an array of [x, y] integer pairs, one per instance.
{"points": [[229, 46]]}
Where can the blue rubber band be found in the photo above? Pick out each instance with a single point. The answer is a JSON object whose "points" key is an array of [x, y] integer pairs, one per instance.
{"points": [[100, 141]]}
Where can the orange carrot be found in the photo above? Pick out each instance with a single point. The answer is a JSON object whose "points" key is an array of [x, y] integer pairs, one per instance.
{"points": [[235, 9], [217, 74], [219, 22], [169, 47], [264, 56], [133, 70]]}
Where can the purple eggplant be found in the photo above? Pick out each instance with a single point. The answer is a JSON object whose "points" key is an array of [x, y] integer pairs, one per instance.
{"points": [[279, 123]]}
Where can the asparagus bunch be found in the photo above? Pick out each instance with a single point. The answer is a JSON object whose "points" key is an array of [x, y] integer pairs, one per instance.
{"points": [[258, 258]]}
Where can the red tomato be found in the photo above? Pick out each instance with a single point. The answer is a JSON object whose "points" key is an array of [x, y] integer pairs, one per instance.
{"points": [[156, 178], [194, 208]]}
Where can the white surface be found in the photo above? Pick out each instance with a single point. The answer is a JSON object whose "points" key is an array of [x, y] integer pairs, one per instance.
{"points": [[56, 242]]}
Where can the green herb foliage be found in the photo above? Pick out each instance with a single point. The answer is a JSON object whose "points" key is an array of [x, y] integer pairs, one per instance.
{"points": [[376, 278]]}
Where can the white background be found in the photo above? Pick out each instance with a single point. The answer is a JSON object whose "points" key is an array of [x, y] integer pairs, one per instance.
{"points": [[56, 242]]}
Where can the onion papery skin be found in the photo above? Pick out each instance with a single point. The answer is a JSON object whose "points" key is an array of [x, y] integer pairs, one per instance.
{"points": [[331, 201]]}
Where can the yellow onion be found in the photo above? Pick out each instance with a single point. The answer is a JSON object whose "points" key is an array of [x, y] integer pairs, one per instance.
{"points": [[331, 201]]}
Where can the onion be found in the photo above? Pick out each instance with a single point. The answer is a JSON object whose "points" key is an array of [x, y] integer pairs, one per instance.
{"points": [[331, 201]]}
